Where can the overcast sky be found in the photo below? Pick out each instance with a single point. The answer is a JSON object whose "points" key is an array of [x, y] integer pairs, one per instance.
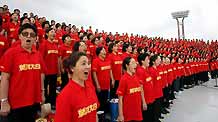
{"points": [[146, 17]]}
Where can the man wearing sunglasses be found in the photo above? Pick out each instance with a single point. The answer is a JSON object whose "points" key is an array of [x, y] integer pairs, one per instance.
{"points": [[21, 85]]}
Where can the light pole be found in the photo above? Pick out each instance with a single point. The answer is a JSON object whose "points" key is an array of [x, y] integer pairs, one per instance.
{"points": [[180, 15]]}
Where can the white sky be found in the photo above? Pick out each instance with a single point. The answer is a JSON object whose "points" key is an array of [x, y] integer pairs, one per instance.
{"points": [[146, 17]]}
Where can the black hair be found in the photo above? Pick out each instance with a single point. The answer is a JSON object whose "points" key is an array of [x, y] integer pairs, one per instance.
{"points": [[125, 46], [139, 50], [1, 21], [108, 39], [63, 26], [27, 26], [57, 25], [25, 14], [89, 36], [93, 40], [22, 19], [65, 36], [52, 21], [44, 23], [81, 38], [76, 46], [16, 10], [12, 15], [177, 59], [71, 61], [142, 57], [133, 48], [98, 50], [171, 58], [47, 31], [2, 8], [110, 47], [126, 61], [153, 59]]}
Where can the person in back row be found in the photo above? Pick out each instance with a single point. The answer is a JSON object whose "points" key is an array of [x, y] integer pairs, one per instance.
{"points": [[49, 51]]}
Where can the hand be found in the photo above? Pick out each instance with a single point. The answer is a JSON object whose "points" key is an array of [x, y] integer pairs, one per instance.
{"points": [[144, 106], [43, 98], [120, 118], [113, 83], [2, 32], [98, 89], [13, 40], [62, 70], [5, 108]]}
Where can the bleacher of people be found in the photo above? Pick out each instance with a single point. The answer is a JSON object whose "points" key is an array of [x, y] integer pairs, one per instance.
{"points": [[143, 73]]}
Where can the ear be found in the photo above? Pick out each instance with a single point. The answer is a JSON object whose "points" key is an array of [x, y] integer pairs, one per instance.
{"points": [[72, 70]]}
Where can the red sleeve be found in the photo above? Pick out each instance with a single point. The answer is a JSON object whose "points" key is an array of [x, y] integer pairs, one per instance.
{"points": [[60, 51], [43, 66], [42, 49], [63, 105], [121, 91], [5, 26], [140, 75], [7, 62], [95, 65]]}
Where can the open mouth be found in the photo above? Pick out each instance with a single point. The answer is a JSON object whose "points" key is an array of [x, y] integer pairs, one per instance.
{"points": [[28, 41], [86, 72]]}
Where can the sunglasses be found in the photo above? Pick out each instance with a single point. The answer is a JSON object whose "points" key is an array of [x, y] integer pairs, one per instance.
{"points": [[27, 34]]}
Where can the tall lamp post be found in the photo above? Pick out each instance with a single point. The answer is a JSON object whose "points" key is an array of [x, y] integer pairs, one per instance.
{"points": [[180, 15]]}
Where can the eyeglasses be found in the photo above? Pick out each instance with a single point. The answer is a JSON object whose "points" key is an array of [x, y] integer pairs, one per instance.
{"points": [[27, 34]]}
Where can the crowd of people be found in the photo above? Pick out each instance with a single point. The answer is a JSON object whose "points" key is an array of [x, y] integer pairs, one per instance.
{"points": [[143, 72]]}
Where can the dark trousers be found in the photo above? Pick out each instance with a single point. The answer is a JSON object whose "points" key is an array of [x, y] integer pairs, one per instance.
{"points": [[181, 86], [157, 109], [114, 90], [64, 79], [103, 99], [50, 94], [24, 114], [188, 80], [171, 93], [176, 84], [148, 115], [166, 96]]}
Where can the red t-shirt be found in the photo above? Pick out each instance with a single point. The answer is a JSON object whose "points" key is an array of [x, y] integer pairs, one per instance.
{"points": [[170, 74], [92, 48], [12, 30], [41, 32], [157, 82], [102, 69], [75, 37], [76, 103], [116, 65], [25, 76], [130, 89], [65, 51], [125, 54], [3, 45], [5, 20], [59, 34], [146, 79], [162, 68], [49, 51], [187, 69]]}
